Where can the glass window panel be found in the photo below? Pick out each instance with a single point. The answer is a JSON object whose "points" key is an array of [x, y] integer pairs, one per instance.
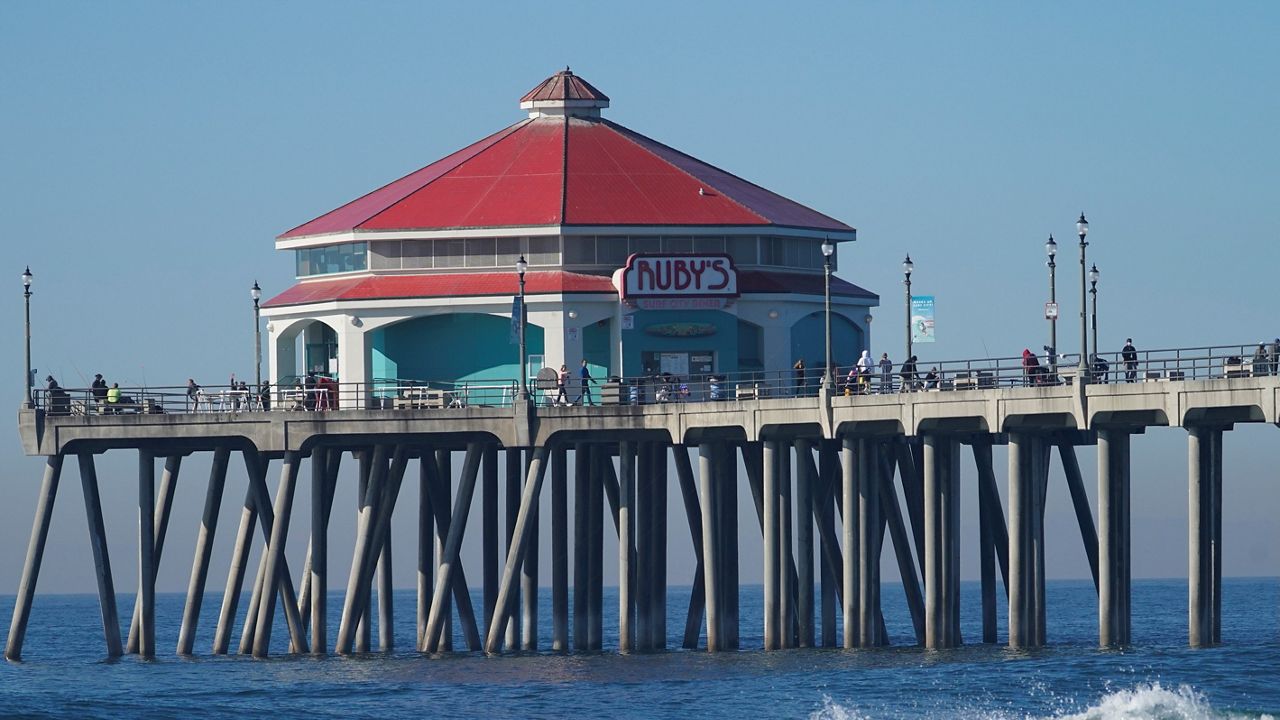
{"points": [[708, 245], [744, 250], [302, 266], [611, 250], [677, 245], [416, 254], [580, 250], [507, 251], [450, 253], [544, 251], [646, 245], [480, 252], [385, 255]]}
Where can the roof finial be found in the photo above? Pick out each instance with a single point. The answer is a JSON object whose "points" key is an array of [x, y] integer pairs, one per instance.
{"points": [[567, 71]]}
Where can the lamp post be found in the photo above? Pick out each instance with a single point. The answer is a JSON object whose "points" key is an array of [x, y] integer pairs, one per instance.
{"points": [[521, 267], [1082, 229], [827, 250], [1093, 291], [1051, 249], [907, 267], [255, 292], [26, 295]]}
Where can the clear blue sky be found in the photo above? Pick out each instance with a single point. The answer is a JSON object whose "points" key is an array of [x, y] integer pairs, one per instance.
{"points": [[149, 153]]}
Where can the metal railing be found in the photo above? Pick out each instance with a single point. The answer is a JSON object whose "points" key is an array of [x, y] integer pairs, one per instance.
{"points": [[324, 395]]}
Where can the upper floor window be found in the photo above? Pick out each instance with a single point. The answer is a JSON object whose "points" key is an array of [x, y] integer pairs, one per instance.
{"points": [[347, 257]]}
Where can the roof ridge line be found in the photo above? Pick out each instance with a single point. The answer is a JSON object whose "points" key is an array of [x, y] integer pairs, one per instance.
{"points": [[628, 131], [625, 132], [508, 129]]}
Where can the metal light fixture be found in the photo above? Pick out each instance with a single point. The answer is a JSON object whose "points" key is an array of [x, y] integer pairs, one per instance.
{"points": [[522, 266], [1051, 249], [255, 293], [1082, 229], [907, 268], [26, 295], [827, 250], [1093, 292]]}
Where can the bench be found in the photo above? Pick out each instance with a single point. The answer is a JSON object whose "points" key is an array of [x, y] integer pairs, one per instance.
{"points": [[419, 398], [748, 392]]}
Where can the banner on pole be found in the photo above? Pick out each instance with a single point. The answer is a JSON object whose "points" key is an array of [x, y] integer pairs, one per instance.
{"points": [[515, 320], [922, 319]]}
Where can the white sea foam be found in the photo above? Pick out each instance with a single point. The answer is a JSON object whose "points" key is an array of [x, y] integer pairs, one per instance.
{"points": [[1143, 702], [1154, 702]]}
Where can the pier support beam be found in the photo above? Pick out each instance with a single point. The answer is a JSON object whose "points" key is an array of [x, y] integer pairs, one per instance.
{"points": [[693, 514], [449, 559], [35, 555], [851, 539], [164, 505], [1204, 539], [772, 622], [275, 553], [710, 543], [529, 578], [942, 541], [581, 493], [528, 503], [426, 542], [805, 482], [559, 549], [490, 532], [204, 548], [869, 534], [240, 555], [1028, 472], [101, 558], [626, 542], [1112, 537], [146, 554]]}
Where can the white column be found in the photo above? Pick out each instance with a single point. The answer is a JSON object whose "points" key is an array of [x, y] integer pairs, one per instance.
{"points": [[353, 365]]}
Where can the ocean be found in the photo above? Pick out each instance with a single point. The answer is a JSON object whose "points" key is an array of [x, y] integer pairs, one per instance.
{"points": [[64, 673]]}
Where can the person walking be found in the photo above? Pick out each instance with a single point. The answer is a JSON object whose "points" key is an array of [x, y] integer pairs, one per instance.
{"points": [[562, 382], [799, 370], [886, 373], [264, 396], [193, 395], [585, 374], [1275, 357], [1129, 354]]}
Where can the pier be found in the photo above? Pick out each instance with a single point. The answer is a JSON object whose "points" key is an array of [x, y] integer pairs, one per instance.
{"points": [[824, 471]]}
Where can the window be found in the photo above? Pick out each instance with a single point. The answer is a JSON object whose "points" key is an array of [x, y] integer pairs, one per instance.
{"points": [[744, 250], [480, 252], [677, 245], [507, 251], [708, 245], [416, 254], [611, 250], [450, 253], [544, 251], [646, 245], [348, 257], [385, 255], [580, 250], [772, 251]]}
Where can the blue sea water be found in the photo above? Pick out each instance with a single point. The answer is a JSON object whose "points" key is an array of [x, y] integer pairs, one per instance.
{"points": [[64, 673]]}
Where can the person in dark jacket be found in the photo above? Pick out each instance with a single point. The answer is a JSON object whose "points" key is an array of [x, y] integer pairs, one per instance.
{"points": [[99, 387], [799, 368], [1129, 354], [908, 374]]}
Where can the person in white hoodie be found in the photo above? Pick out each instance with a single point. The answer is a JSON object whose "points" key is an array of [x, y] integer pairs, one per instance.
{"points": [[865, 368]]}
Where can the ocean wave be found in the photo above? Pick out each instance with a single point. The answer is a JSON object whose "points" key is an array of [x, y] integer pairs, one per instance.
{"points": [[1143, 702]]}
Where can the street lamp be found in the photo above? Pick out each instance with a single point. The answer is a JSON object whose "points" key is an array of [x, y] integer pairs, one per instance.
{"points": [[1093, 290], [827, 249], [907, 267], [1051, 249], [255, 292], [26, 295], [521, 267], [1082, 229]]}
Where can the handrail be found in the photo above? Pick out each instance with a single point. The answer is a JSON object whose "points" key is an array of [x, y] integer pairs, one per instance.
{"points": [[324, 395]]}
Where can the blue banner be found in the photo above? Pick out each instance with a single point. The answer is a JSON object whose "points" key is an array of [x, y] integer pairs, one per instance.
{"points": [[922, 319], [515, 320]]}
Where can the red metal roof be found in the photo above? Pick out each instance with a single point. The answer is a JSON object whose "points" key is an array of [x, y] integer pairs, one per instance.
{"points": [[550, 282], [566, 170], [564, 85]]}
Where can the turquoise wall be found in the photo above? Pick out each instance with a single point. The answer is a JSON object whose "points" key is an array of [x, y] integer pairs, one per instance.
{"points": [[724, 343], [453, 347], [596, 339], [809, 340]]}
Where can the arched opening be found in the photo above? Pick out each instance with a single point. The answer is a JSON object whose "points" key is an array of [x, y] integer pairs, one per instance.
{"points": [[809, 341], [451, 348], [305, 346]]}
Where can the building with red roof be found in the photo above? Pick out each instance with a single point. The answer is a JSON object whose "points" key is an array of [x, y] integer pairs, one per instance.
{"points": [[641, 260]]}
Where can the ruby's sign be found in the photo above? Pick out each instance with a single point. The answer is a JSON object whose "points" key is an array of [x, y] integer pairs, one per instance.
{"points": [[677, 281]]}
